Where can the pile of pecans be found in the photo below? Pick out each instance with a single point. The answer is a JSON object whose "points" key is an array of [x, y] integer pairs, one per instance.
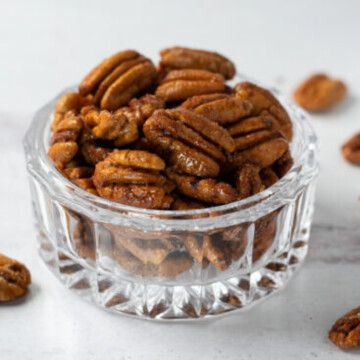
{"points": [[172, 137]]}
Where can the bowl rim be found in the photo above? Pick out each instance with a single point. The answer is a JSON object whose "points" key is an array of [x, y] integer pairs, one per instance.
{"points": [[40, 166]]}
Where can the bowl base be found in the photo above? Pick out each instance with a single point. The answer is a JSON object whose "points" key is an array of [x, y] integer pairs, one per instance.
{"points": [[180, 302]]}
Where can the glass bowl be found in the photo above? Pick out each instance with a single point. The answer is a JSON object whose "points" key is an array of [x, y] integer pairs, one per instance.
{"points": [[157, 264]]}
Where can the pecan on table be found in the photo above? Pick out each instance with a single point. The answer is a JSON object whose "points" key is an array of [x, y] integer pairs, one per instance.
{"points": [[63, 143], [132, 177], [187, 141], [351, 150], [265, 104], [184, 58], [14, 279], [345, 333], [319, 92], [207, 190], [119, 78], [179, 85], [115, 127]]}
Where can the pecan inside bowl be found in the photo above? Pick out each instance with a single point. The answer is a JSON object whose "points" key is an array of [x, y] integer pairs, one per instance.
{"points": [[193, 181]]}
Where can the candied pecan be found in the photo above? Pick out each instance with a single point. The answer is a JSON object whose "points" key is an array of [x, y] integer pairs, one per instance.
{"points": [[14, 279], [351, 149], [283, 164], [63, 142], [69, 102], [222, 108], [264, 103], [345, 333], [174, 264], [184, 58], [187, 141], [82, 177], [184, 203], [117, 79], [268, 177], [179, 85], [91, 149], [115, 127], [248, 181], [208, 190], [132, 177], [319, 92], [261, 155], [84, 241]]}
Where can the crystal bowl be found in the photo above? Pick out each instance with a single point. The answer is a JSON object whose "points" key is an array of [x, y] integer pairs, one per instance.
{"points": [[136, 261]]}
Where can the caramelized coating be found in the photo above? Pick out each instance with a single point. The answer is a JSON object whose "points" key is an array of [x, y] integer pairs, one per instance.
{"points": [[345, 333], [268, 177], [82, 177], [319, 92], [115, 127], [179, 85], [132, 177], [221, 108], [119, 78], [351, 150], [208, 190], [248, 182], [264, 103], [251, 125], [184, 203], [283, 165], [141, 109], [14, 279], [186, 140], [185, 58]]}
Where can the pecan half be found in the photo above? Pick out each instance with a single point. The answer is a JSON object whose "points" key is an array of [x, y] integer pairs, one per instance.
{"points": [[248, 181], [351, 149], [208, 190], [14, 279], [319, 92], [63, 141], [179, 85], [115, 127], [82, 177], [184, 58], [184, 203], [345, 333], [268, 177], [264, 103], [119, 78], [133, 178], [283, 164], [187, 141], [222, 108]]}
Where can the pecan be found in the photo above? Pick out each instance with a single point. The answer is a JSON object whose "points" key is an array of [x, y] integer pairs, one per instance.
{"points": [[283, 164], [345, 333], [184, 58], [84, 241], [115, 127], [14, 279], [69, 102], [186, 140], [117, 79], [268, 177], [174, 264], [184, 203], [351, 149], [248, 181], [208, 190], [91, 149], [82, 177], [63, 142], [132, 177], [264, 103], [222, 108], [179, 85], [319, 92], [261, 155]]}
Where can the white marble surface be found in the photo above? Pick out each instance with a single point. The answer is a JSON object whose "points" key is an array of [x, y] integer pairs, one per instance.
{"points": [[45, 46]]}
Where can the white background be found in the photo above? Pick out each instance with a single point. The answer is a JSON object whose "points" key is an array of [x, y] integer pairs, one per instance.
{"points": [[47, 45]]}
